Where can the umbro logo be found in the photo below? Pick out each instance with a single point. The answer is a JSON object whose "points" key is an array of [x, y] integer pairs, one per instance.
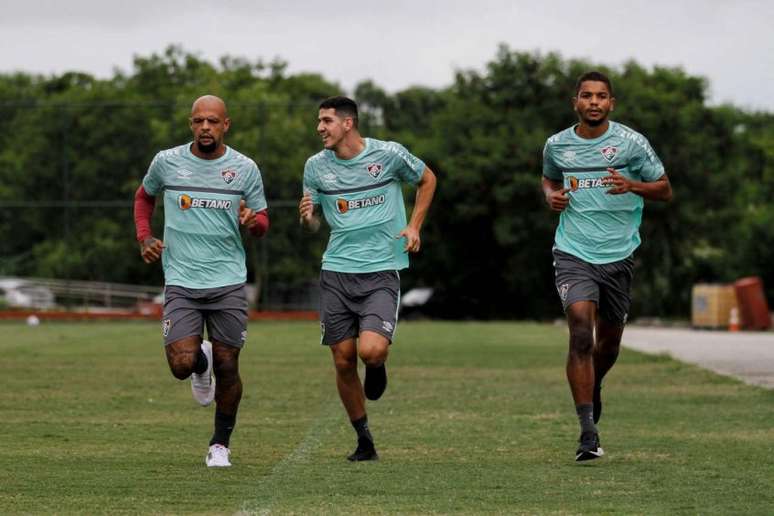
{"points": [[183, 173]]}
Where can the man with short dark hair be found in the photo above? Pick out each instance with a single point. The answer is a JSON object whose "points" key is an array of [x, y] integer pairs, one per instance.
{"points": [[597, 173], [357, 182], [209, 189]]}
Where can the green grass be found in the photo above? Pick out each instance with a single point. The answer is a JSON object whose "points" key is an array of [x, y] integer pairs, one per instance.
{"points": [[477, 419]]}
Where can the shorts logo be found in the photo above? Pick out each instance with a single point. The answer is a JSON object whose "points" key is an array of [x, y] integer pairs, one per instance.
{"points": [[625, 318], [186, 202], [387, 326], [228, 175], [322, 328], [165, 325], [563, 291], [244, 336], [609, 153], [374, 169], [344, 205]]}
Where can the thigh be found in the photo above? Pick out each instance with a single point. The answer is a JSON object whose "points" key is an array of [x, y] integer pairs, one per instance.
{"points": [[378, 310], [338, 322], [615, 291], [226, 315], [182, 316], [575, 280]]}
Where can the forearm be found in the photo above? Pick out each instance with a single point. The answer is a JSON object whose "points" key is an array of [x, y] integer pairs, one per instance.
{"points": [[550, 186], [143, 212], [660, 190], [311, 224], [262, 223], [424, 197]]}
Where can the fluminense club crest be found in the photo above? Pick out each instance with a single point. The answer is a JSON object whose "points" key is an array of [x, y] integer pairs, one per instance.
{"points": [[228, 175], [609, 153], [374, 169]]}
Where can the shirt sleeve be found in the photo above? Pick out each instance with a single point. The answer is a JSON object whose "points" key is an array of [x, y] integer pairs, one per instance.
{"points": [[310, 184], [645, 161], [255, 199], [153, 181], [409, 168], [550, 170]]}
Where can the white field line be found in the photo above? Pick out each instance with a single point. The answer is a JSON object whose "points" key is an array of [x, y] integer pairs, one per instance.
{"points": [[321, 427]]}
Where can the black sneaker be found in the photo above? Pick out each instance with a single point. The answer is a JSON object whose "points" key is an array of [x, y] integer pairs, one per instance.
{"points": [[589, 447], [365, 451], [597, 402], [375, 382]]}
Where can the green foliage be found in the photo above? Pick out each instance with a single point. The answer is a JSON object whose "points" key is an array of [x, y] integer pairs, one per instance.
{"points": [[77, 147]]}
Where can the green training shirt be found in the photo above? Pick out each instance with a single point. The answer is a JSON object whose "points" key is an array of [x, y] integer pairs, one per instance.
{"points": [[596, 226], [362, 201], [203, 246]]}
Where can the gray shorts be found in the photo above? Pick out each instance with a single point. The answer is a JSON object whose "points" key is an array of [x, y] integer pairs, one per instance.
{"points": [[608, 285], [223, 309], [353, 302]]}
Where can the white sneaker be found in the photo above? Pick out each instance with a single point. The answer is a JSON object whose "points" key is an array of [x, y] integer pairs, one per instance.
{"points": [[203, 385], [217, 457]]}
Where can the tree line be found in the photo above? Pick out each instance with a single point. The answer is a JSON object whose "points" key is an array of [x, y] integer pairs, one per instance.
{"points": [[75, 148]]}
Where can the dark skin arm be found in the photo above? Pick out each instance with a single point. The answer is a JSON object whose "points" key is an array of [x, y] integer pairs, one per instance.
{"points": [[659, 190], [556, 194]]}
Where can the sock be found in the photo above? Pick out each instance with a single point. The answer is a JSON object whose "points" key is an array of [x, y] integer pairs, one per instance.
{"points": [[224, 425], [585, 413], [201, 362], [361, 427]]}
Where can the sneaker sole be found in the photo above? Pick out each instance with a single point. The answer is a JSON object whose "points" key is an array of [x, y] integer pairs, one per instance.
{"points": [[589, 455]]}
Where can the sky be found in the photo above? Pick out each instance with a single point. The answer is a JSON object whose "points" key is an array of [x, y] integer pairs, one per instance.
{"points": [[402, 43]]}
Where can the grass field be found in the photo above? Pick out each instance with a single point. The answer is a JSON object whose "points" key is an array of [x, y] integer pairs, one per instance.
{"points": [[477, 419]]}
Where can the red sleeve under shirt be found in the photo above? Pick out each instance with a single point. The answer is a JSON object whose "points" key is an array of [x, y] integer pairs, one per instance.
{"points": [[143, 211]]}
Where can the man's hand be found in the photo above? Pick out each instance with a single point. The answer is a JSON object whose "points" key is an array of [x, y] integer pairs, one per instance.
{"points": [[246, 215], [558, 199], [413, 241], [151, 249], [307, 218], [618, 183], [306, 209]]}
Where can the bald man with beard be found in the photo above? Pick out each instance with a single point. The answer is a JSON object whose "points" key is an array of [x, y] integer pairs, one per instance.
{"points": [[209, 190]]}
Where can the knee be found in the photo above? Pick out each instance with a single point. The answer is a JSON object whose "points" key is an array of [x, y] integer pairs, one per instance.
{"points": [[345, 365], [374, 356], [581, 341], [181, 367], [226, 370]]}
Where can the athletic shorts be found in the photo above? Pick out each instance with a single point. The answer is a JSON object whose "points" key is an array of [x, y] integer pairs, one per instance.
{"points": [[353, 302], [608, 285], [222, 309]]}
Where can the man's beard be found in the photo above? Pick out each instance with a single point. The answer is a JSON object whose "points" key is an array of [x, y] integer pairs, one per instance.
{"points": [[206, 148], [595, 122]]}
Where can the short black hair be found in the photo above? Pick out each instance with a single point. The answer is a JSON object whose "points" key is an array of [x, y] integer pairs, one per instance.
{"points": [[594, 76], [344, 106]]}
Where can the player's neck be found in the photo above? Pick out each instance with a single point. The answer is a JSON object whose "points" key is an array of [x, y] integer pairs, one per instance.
{"points": [[219, 151], [590, 132], [350, 146]]}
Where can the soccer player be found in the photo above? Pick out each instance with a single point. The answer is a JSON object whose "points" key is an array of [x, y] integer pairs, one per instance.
{"points": [[209, 189], [357, 182], [597, 173]]}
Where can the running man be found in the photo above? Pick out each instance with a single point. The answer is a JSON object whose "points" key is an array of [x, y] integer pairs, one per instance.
{"points": [[209, 189], [357, 182], [597, 173]]}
